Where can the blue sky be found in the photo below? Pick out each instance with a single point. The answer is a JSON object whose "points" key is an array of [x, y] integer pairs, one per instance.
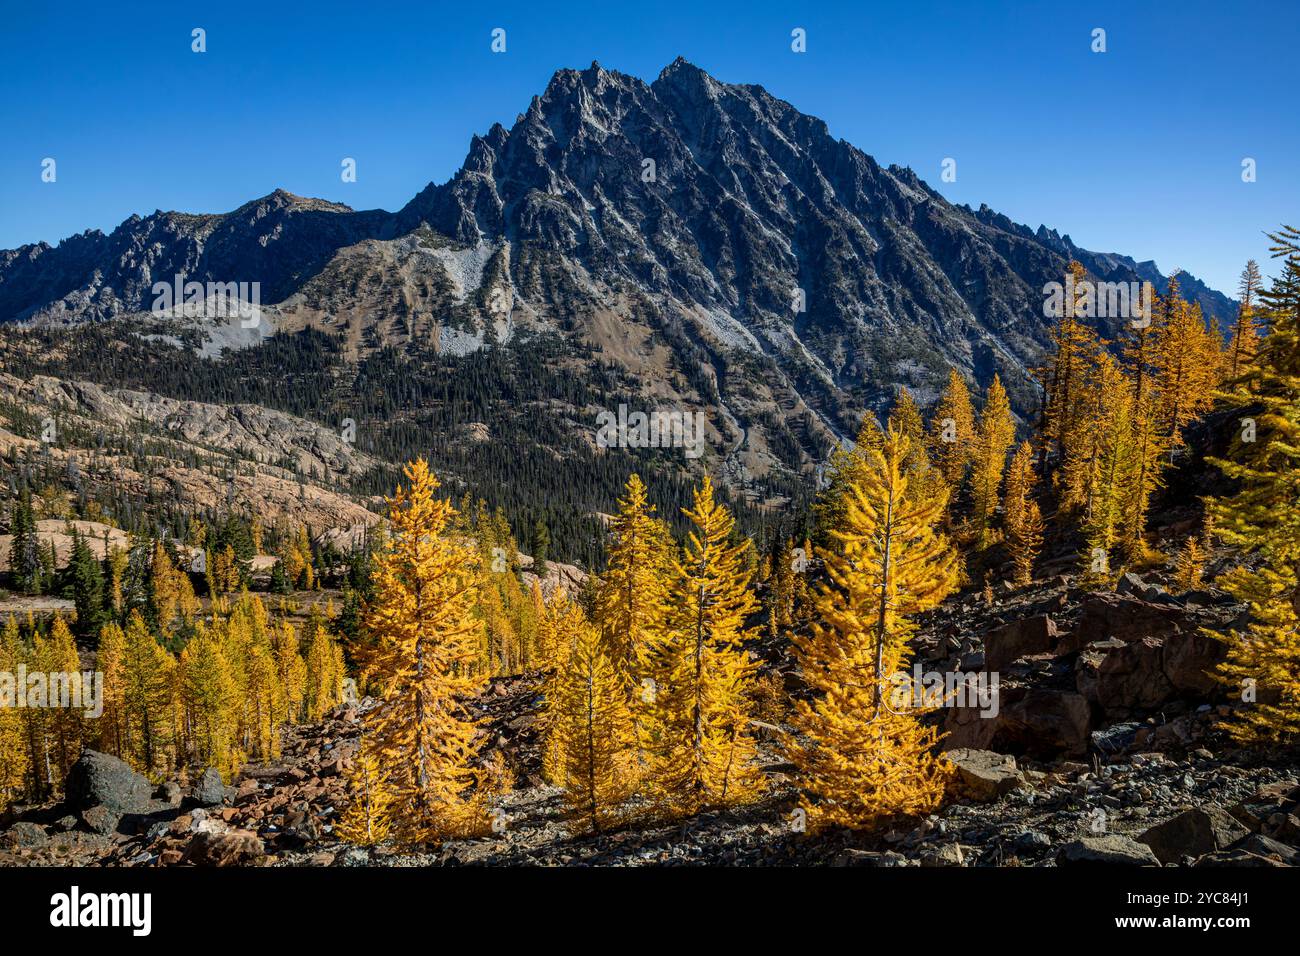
{"points": [[1136, 150]]}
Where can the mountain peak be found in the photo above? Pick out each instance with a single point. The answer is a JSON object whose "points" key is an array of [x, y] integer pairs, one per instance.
{"points": [[685, 76], [679, 65], [696, 194]]}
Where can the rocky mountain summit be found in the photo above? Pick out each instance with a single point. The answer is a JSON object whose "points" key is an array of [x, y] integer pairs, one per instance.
{"points": [[719, 247]]}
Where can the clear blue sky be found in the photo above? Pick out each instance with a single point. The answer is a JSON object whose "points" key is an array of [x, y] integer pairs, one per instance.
{"points": [[1135, 150]]}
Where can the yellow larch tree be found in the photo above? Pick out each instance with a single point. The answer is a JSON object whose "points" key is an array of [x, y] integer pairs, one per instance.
{"points": [[905, 418], [843, 470], [952, 431], [591, 717], [1111, 458], [210, 701], [707, 755], [1075, 347], [863, 757], [323, 685], [1022, 518], [1187, 361], [57, 655], [110, 660], [423, 659], [368, 817], [630, 605], [993, 438], [1245, 331], [1144, 478], [15, 761], [291, 671], [148, 694], [558, 628], [630, 601], [1190, 566], [1261, 519], [164, 588]]}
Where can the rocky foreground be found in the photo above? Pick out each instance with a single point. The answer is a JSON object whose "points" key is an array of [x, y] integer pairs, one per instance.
{"points": [[1107, 747]]}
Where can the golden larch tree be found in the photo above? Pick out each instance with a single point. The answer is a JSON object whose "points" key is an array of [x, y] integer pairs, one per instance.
{"points": [[590, 714], [211, 703], [15, 762], [1262, 520], [1190, 565], [631, 610], [1110, 458], [993, 438], [558, 628], [952, 431], [1245, 331], [368, 818], [1022, 518], [110, 661], [147, 698], [1075, 347], [863, 757], [844, 468], [424, 648], [707, 755], [1187, 361]]}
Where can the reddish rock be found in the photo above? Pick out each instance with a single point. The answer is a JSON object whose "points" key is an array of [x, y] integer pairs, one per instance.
{"points": [[1144, 674], [1106, 616], [1032, 635], [101, 819], [1132, 677], [232, 848], [1190, 661], [1034, 721]]}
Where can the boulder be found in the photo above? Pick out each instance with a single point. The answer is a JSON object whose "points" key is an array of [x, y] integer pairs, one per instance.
{"points": [[1031, 841], [209, 791], [1131, 584], [1122, 617], [98, 778], [101, 819], [1190, 660], [983, 775], [950, 854], [1040, 722], [1125, 676], [24, 834], [1011, 641], [852, 857], [1111, 849], [1193, 833], [1132, 677], [1266, 847], [1234, 858], [231, 848], [1282, 826]]}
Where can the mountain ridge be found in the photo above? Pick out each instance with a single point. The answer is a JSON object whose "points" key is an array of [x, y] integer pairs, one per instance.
{"points": [[720, 246]]}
